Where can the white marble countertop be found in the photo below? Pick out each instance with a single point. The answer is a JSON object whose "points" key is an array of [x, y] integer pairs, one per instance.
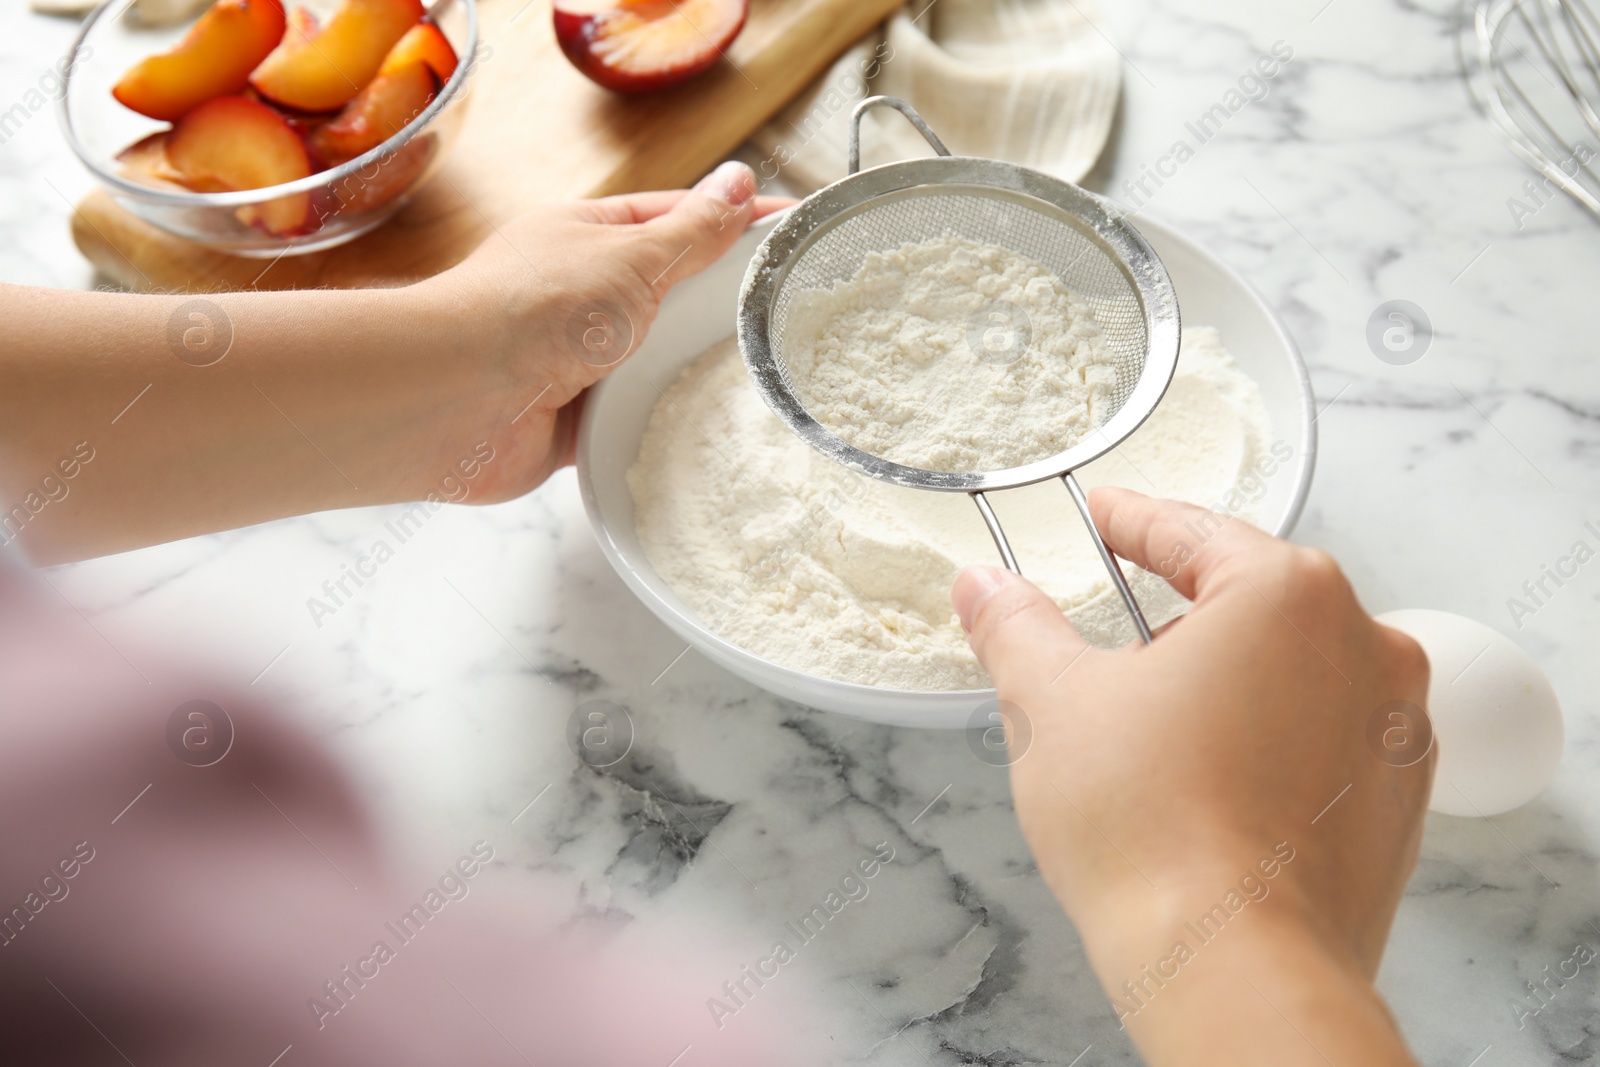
{"points": [[1363, 176]]}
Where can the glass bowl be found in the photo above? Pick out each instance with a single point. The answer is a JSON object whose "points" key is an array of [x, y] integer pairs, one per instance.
{"points": [[346, 201]]}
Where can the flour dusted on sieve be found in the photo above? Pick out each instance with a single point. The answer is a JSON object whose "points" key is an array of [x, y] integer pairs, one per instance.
{"points": [[950, 355], [795, 558]]}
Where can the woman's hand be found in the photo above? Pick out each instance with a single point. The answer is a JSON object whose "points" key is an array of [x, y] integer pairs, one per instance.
{"points": [[182, 414], [564, 294], [1208, 809]]}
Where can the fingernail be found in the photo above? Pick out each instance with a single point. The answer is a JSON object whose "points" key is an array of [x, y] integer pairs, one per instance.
{"points": [[974, 586], [733, 183]]}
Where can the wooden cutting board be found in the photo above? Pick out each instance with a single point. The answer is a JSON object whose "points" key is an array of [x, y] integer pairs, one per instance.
{"points": [[536, 131]]}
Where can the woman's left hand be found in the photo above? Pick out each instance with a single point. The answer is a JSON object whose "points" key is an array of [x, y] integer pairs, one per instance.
{"points": [[173, 415], [567, 293]]}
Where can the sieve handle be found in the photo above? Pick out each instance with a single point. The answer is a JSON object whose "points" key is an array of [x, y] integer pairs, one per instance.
{"points": [[915, 119], [1110, 560], [995, 532], [1112, 566]]}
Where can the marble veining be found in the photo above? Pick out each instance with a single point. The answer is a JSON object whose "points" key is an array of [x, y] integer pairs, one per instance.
{"points": [[448, 684]]}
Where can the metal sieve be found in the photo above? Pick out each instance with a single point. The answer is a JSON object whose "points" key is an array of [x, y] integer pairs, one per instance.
{"points": [[1082, 238]]}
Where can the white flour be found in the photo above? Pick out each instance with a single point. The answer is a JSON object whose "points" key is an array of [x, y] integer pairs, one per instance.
{"points": [[804, 563], [950, 355]]}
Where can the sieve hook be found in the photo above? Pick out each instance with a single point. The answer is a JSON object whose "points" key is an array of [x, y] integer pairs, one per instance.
{"points": [[899, 105]]}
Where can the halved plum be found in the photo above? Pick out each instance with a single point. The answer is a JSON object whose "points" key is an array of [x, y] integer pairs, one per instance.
{"points": [[145, 161], [324, 71], [214, 59], [638, 46], [378, 112], [232, 143], [426, 42], [302, 24]]}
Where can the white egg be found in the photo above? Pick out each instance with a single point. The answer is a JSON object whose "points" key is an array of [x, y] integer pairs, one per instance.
{"points": [[1496, 719]]}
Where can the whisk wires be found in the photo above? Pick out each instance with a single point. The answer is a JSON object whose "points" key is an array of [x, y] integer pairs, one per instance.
{"points": [[1535, 71]]}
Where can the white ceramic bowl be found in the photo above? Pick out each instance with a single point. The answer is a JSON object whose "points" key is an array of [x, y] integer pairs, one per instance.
{"points": [[700, 312]]}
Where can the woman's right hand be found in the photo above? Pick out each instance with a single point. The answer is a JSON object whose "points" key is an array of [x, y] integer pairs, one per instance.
{"points": [[1208, 809]]}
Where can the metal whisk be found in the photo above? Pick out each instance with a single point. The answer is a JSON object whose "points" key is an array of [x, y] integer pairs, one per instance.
{"points": [[1534, 68]]}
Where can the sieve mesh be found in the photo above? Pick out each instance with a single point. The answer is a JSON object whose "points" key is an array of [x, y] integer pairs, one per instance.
{"points": [[838, 247], [1080, 237]]}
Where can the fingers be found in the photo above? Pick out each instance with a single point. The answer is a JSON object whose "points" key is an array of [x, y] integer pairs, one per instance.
{"points": [[698, 228], [1017, 632], [633, 208], [636, 208], [766, 205], [1188, 546], [683, 231]]}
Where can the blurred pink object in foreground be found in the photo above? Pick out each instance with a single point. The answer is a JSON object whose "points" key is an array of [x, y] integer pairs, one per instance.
{"points": [[185, 885]]}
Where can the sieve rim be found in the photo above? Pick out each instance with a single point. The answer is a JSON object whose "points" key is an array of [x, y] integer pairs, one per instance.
{"points": [[1095, 217]]}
